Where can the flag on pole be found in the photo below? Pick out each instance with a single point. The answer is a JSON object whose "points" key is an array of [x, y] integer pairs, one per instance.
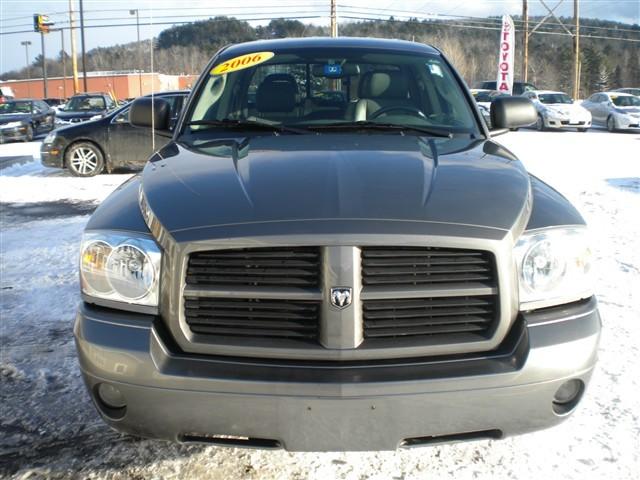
{"points": [[505, 60]]}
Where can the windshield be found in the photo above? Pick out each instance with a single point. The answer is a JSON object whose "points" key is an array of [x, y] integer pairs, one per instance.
{"points": [[87, 104], [555, 98], [15, 107], [312, 88], [625, 101]]}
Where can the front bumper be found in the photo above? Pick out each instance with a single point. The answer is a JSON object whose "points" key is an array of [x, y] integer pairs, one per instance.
{"points": [[52, 154], [13, 134], [331, 406], [626, 122], [566, 122]]}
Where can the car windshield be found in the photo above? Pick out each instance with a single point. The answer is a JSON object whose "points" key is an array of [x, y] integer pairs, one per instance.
{"points": [[15, 107], [555, 98], [311, 89], [87, 104], [625, 101]]}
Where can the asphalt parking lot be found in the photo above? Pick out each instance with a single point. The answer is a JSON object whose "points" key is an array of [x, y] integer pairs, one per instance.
{"points": [[49, 429]]}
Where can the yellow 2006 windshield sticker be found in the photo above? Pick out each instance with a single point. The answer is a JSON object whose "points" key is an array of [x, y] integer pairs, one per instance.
{"points": [[243, 61]]}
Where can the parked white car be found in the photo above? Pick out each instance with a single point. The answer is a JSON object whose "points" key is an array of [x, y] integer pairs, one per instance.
{"points": [[615, 110], [558, 110]]}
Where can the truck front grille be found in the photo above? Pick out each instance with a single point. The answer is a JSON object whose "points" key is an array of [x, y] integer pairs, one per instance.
{"points": [[277, 302], [252, 317], [418, 317], [256, 267], [398, 266]]}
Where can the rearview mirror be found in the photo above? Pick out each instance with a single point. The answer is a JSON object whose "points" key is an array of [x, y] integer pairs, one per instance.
{"points": [[150, 112], [512, 112]]}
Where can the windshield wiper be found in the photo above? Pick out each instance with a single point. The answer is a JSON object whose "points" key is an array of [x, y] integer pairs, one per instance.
{"points": [[248, 124], [367, 125]]}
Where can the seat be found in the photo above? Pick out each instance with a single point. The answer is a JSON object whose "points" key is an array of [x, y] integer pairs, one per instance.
{"points": [[277, 97], [380, 89]]}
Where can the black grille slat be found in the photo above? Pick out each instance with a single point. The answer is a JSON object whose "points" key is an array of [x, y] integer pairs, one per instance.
{"points": [[297, 267], [423, 266], [429, 317], [254, 332], [425, 330], [252, 318]]}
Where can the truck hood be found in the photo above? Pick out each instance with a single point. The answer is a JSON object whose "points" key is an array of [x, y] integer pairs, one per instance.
{"points": [[336, 177], [14, 117], [83, 115]]}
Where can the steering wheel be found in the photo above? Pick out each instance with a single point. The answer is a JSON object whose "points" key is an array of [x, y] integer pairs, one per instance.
{"points": [[416, 112]]}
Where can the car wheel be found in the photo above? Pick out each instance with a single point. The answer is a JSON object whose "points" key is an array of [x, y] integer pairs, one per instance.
{"points": [[540, 124], [611, 124], [84, 159], [29, 135]]}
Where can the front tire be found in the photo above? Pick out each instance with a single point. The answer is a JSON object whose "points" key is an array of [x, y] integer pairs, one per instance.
{"points": [[540, 124], [611, 124], [84, 159]]}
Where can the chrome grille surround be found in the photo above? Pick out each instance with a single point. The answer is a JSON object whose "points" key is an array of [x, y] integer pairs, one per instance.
{"points": [[341, 335]]}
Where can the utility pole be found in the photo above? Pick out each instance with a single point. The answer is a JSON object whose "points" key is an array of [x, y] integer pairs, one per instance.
{"points": [[131, 12], [44, 66], [84, 57], [334, 19], [74, 60], [525, 40], [26, 44], [64, 65], [576, 50]]}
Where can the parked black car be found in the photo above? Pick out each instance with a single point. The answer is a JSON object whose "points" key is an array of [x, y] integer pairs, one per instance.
{"points": [[85, 106], [22, 119], [110, 143], [518, 87]]}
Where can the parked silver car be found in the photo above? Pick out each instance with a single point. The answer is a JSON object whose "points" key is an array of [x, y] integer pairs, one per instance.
{"points": [[616, 110], [558, 110]]}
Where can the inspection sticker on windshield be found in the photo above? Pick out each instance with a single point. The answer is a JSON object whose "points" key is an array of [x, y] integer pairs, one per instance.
{"points": [[243, 61]]}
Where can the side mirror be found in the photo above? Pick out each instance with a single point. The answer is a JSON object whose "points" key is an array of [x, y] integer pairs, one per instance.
{"points": [[148, 112], [512, 112]]}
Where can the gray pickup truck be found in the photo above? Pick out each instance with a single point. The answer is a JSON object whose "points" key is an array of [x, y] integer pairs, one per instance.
{"points": [[333, 254]]}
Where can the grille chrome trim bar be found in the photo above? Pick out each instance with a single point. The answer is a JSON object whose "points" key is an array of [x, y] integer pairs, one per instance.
{"points": [[253, 292], [382, 293]]}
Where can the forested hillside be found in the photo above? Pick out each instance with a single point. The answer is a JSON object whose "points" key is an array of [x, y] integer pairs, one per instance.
{"points": [[605, 63]]}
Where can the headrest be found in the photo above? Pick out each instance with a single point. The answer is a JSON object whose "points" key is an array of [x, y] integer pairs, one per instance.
{"points": [[384, 85], [277, 93]]}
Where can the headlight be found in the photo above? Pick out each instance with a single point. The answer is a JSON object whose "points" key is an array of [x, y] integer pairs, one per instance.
{"points": [[50, 138], [554, 267], [121, 268], [96, 117], [12, 125]]}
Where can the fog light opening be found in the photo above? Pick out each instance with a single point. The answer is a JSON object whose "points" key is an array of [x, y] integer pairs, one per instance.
{"points": [[110, 400], [567, 396]]}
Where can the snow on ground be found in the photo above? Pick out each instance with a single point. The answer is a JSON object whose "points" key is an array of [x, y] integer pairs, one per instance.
{"points": [[30, 182], [48, 428]]}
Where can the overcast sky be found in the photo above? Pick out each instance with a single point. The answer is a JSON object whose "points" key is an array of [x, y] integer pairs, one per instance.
{"points": [[16, 15]]}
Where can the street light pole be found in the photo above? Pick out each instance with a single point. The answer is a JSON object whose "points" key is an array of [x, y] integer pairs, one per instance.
{"points": [[44, 65], [64, 65], [26, 44], [84, 57], [137, 13]]}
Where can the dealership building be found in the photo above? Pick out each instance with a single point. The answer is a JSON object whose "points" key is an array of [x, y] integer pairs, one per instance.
{"points": [[120, 84]]}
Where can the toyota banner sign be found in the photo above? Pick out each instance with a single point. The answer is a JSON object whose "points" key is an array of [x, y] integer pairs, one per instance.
{"points": [[505, 60]]}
